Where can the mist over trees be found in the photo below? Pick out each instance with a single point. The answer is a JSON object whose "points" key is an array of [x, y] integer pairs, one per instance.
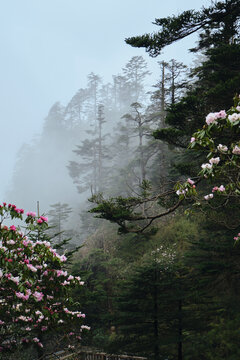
{"points": [[160, 168], [99, 142]]}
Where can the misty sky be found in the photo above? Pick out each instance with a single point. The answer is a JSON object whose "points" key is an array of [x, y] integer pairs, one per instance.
{"points": [[48, 47]]}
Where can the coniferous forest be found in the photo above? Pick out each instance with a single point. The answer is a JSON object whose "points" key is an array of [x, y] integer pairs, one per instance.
{"points": [[141, 190]]}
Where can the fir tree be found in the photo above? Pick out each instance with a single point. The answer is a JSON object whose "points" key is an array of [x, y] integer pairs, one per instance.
{"points": [[58, 217]]}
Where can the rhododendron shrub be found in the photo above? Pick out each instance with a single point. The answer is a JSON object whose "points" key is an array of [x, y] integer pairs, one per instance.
{"points": [[35, 286], [220, 140]]}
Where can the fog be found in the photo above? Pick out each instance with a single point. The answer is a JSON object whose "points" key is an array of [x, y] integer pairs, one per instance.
{"points": [[65, 68]]}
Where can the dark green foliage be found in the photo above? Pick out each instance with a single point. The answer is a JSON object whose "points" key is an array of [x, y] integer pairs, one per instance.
{"points": [[100, 273], [132, 214], [220, 16], [216, 79], [171, 136], [117, 209], [214, 260], [149, 310], [173, 292], [172, 29], [161, 296]]}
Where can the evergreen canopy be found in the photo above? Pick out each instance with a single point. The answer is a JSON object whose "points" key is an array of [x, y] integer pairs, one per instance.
{"points": [[222, 14]]}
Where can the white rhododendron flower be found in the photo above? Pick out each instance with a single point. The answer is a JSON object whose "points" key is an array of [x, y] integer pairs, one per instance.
{"points": [[234, 117], [222, 148], [208, 197], [206, 166], [214, 160]]}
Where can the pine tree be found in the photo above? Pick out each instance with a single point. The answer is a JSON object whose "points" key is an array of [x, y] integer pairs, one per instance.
{"points": [[76, 110], [218, 23], [58, 217], [135, 72], [94, 81], [91, 174], [151, 317], [218, 76]]}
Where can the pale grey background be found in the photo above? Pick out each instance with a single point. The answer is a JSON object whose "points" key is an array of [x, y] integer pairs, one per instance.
{"points": [[49, 46]]}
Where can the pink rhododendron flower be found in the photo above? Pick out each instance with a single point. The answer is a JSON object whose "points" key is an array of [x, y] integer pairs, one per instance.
{"points": [[31, 267], [38, 267], [211, 118], [11, 242], [23, 296], [221, 188], [61, 273], [47, 244], [85, 327], [32, 214], [236, 150], [65, 283], [191, 182], [15, 279], [32, 260], [222, 114], [38, 295], [81, 316], [20, 295], [63, 258], [26, 242], [192, 139], [24, 340], [39, 221], [180, 192]]}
